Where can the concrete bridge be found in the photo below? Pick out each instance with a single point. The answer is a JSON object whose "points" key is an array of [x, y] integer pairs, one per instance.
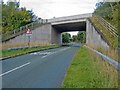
{"points": [[65, 24], [51, 31]]}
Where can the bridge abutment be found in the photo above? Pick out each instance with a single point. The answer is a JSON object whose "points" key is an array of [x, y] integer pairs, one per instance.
{"points": [[56, 37], [94, 37], [39, 36]]}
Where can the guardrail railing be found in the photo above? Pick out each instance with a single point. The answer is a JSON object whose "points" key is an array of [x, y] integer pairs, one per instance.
{"points": [[108, 26], [22, 29]]}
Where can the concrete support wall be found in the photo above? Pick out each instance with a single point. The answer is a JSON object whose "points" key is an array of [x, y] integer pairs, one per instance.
{"points": [[56, 37], [93, 37], [40, 36]]}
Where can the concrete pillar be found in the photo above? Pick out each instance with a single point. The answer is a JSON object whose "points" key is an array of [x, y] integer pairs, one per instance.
{"points": [[88, 32], [59, 38], [55, 36]]}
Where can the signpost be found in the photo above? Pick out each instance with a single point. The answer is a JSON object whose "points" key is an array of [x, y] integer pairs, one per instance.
{"points": [[28, 33]]}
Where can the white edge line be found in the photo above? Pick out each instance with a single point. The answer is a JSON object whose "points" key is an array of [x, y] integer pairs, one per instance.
{"points": [[14, 69]]}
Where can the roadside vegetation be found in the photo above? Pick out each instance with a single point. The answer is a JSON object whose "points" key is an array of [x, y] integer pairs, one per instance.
{"points": [[88, 70], [6, 53], [109, 11], [79, 38], [14, 17], [110, 37], [66, 38], [113, 41]]}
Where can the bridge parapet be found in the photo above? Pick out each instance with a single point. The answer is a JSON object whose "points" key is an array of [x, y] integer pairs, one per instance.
{"points": [[69, 18]]}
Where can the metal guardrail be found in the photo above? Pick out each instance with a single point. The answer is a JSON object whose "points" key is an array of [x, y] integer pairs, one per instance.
{"points": [[106, 58], [108, 26], [21, 30]]}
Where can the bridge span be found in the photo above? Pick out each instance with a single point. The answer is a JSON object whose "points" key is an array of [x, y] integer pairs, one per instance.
{"points": [[51, 31]]}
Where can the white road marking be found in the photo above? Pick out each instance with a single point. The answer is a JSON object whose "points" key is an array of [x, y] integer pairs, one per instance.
{"points": [[55, 52], [14, 69], [44, 56], [48, 52], [40, 53], [47, 55]]}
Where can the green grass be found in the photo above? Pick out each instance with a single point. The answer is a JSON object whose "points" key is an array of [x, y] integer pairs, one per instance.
{"points": [[89, 71], [12, 53], [110, 37], [112, 52]]}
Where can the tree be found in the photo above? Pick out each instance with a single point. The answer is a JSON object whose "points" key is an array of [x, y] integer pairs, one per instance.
{"points": [[81, 36], [106, 9], [109, 11], [14, 17], [66, 37], [74, 37]]}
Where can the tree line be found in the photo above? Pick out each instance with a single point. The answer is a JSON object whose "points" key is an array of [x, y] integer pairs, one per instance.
{"points": [[79, 38], [109, 11], [14, 17]]}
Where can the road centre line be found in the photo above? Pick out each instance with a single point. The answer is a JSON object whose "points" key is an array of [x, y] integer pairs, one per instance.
{"points": [[14, 69]]}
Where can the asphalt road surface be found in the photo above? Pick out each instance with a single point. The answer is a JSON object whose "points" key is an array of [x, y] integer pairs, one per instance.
{"points": [[44, 69]]}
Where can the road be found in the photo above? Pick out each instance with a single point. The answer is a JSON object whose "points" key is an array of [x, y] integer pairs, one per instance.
{"points": [[44, 69]]}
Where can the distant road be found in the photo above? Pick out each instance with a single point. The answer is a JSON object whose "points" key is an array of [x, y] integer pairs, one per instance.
{"points": [[44, 69]]}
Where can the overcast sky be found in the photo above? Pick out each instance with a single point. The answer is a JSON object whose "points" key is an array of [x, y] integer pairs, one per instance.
{"points": [[58, 8]]}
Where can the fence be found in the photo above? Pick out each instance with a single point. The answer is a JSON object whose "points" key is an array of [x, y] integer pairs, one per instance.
{"points": [[108, 26]]}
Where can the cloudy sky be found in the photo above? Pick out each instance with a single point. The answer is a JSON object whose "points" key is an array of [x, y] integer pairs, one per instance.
{"points": [[58, 8]]}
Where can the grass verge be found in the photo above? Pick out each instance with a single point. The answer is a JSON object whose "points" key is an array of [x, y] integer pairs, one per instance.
{"points": [[12, 53], [111, 52], [88, 70]]}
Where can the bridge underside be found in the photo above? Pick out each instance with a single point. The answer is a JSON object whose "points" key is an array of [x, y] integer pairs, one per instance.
{"points": [[75, 26], [58, 28]]}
